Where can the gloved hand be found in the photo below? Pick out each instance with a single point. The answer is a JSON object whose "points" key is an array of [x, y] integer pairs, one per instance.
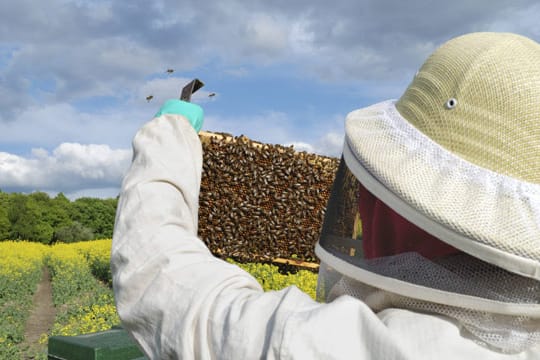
{"points": [[194, 113]]}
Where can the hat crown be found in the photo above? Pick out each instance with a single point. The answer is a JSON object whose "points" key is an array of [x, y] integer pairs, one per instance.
{"points": [[478, 96]]}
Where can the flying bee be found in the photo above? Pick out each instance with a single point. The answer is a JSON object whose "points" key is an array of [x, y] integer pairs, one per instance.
{"points": [[170, 71], [149, 97]]}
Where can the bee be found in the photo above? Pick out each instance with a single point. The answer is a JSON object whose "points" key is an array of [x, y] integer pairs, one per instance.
{"points": [[149, 97], [170, 71]]}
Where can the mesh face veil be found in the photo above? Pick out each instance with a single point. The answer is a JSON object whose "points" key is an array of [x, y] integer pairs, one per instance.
{"points": [[436, 203]]}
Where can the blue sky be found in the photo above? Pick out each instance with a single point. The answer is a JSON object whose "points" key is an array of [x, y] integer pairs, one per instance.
{"points": [[75, 74]]}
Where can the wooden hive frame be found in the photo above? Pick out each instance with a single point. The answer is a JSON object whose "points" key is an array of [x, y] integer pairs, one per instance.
{"points": [[262, 202]]}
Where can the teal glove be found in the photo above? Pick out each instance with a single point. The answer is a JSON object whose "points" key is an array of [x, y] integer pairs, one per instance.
{"points": [[194, 113]]}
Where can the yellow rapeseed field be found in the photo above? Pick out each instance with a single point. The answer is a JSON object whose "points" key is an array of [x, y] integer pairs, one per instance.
{"points": [[84, 304], [82, 289], [20, 271], [89, 299]]}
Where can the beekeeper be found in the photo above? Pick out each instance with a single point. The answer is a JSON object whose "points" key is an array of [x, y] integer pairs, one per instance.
{"points": [[445, 185]]}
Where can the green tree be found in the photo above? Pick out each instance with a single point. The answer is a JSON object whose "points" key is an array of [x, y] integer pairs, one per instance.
{"points": [[26, 217], [73, 233], [96, 214], [16, 208], [40, 197], [58, 214], [5, 224], [38, 217]]}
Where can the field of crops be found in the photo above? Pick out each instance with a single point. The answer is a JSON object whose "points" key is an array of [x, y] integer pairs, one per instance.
{"points": [[81, 290]]}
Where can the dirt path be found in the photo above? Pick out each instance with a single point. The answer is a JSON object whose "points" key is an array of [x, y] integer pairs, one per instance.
{"points": [[41, 318]]}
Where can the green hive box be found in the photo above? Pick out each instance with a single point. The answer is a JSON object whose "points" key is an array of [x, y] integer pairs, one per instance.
{"points": [[114, 344]]}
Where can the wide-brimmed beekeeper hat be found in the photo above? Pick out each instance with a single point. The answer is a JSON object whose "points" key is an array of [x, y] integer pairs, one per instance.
{"points": [[458, 156], [459, 153]]}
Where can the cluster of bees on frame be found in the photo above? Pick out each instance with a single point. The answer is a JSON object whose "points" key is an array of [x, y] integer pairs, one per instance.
{"points": [[259, 202]]}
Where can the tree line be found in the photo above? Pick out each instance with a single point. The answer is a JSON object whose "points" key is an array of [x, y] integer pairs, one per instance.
{"points": [[41, 218]]}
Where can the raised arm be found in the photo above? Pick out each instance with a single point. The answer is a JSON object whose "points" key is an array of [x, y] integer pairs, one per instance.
{"points": [[178, 301]]}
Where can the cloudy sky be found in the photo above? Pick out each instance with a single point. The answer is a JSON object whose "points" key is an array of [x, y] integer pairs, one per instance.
{"points": [[75, 74]]}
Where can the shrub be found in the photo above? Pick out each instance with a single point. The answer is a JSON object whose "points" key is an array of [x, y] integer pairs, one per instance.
{"points": [[73, 233]]}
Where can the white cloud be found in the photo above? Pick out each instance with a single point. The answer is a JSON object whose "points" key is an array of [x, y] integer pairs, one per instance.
{"points": [[267, 35], [272, 127], [103, 193], [49, 125], [105, 48], [96, 170], [279, 128], [65, 57], [301, 37], [528, 21], [330, 144], [70, 167], [301, 146], [93, 162]]}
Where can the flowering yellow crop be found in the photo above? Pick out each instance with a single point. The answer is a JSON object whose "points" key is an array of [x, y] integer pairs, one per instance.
{"points": [[98, 256], [84, 304], [20, 259], [96, 250], [89, 319], [81, 282], [20, 270], [271, 279], [87, 304]]}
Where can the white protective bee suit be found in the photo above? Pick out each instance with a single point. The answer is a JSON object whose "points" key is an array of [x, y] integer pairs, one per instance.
{"points": [[179, 302]]}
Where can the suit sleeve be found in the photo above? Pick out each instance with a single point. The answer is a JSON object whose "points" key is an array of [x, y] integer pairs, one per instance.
{"points": [[179, 302]]}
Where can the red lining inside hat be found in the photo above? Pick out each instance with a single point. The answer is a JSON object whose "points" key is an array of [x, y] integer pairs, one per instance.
{"points": [[386, 233]]}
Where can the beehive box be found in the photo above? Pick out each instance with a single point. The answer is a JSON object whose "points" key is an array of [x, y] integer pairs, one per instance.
{"points": [[260, 202]]}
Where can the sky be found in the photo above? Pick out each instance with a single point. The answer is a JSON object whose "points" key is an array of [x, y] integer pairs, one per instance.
{"points": [[75, 74]]}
